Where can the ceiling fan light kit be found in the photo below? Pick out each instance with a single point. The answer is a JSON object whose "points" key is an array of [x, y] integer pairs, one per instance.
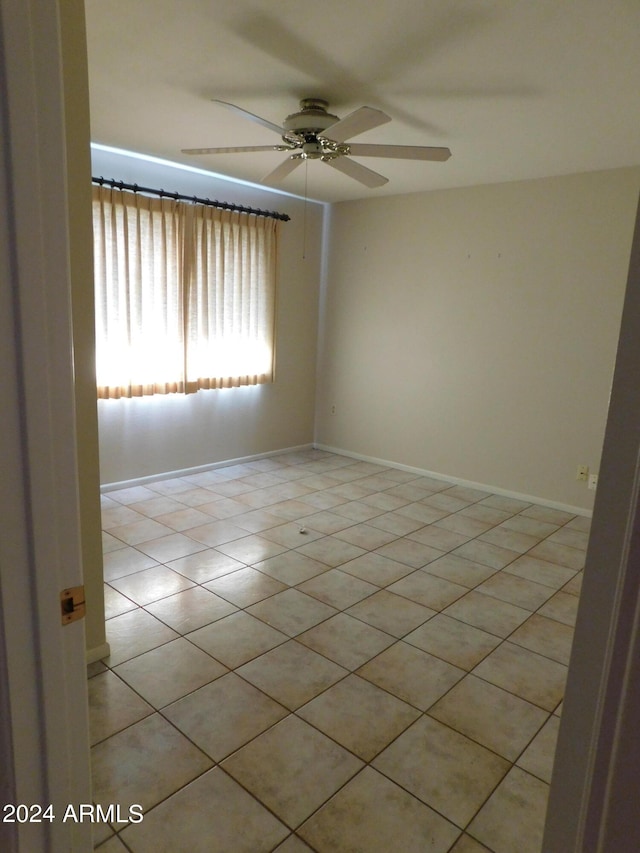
{"points": [[313, 133]]}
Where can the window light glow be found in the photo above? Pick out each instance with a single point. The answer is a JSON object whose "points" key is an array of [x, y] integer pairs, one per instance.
{"points": [[158, 161]]}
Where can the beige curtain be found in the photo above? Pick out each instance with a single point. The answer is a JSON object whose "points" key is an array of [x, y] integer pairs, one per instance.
{"points": [[185, 296], [231, 303]]}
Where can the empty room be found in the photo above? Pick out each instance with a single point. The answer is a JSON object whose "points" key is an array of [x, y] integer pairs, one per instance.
{"points": [[351, 297]]}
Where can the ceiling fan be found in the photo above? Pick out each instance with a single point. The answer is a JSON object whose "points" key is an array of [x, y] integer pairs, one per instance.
{"points": [[313, 133]]}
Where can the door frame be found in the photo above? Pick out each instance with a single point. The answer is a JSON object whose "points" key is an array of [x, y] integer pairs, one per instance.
{"points": [[44, 750], [594, 788]]}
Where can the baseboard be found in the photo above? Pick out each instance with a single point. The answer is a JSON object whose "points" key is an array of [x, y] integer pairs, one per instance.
{"points": [[420, 472], [97, 653], [495, 490], [201, 469]]}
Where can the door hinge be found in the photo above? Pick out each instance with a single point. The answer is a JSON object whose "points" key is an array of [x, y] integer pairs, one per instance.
{"points": [[72, 604]]}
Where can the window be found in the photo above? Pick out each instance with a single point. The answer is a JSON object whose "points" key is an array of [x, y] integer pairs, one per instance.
{"points": [[185, 295]]}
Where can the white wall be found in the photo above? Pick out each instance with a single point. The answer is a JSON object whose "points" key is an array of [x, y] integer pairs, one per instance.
{"points": [[472, 332], [152, 435]]}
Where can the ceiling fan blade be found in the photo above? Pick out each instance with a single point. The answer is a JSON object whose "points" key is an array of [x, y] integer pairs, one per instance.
{"points": [[280, 172], [355, 170], [364, 118], [263, 121], [233, 150], [401, 152]]}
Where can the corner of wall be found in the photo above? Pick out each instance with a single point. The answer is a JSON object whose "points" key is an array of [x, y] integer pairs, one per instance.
{"points": [[322, 297]]}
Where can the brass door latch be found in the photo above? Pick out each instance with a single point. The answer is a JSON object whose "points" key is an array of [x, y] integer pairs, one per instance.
{"points": [[72, 604]]}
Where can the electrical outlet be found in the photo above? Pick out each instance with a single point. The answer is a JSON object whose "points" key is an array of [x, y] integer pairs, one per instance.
{"points": [[333, 410], [582, 472], [593, 481]]}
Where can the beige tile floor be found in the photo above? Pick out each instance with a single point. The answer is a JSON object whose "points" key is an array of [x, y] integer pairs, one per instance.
{"points": [[314, 653]]}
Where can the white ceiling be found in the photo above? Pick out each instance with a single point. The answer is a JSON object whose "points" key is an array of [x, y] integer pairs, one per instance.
{"points": [[515, 88]]}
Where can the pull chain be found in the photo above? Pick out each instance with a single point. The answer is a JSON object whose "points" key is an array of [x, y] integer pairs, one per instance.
{"points": [[304, 211]]}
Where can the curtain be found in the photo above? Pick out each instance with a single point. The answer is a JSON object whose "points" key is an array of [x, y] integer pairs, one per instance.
{"points": [[232, 299], [185, 296]]}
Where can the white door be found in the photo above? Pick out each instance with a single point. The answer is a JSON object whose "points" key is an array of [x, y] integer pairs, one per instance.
{"points": [[44, 752]]}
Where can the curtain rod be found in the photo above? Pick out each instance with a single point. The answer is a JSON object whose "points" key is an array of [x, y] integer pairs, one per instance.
{"points": [[224, 205]]}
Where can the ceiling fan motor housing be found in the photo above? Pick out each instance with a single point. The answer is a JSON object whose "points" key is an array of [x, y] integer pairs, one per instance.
{"points": [[312, 118]]}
